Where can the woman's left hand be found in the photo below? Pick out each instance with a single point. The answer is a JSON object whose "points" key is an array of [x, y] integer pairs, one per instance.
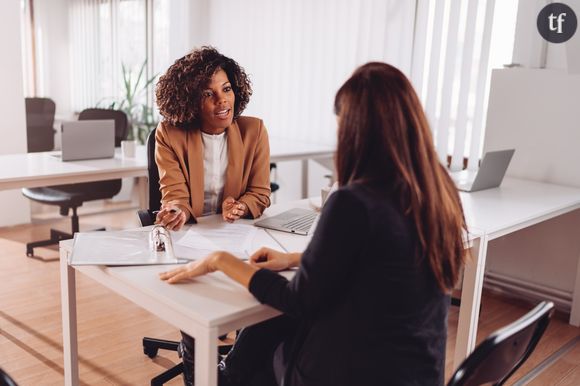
{"points": [[193, 269], [233, 210]]}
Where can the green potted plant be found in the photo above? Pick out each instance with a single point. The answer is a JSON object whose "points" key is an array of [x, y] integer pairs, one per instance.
{"points": [[141, 115]]}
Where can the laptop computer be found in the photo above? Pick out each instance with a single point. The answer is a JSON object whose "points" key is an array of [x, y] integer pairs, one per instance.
{"points": [[489, 175], [87, 139], [297, 220]]}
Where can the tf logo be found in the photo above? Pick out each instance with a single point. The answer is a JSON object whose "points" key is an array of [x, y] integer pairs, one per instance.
{"points": [[557, 22]]}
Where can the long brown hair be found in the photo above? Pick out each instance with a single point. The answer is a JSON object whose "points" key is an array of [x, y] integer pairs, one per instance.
{"points": [[384, 136]]}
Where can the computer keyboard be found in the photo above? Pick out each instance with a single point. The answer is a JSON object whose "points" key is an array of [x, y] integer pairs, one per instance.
{"points": [[303, 223]]}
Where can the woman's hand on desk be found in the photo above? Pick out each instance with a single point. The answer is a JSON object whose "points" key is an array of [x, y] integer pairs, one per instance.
{"points": [[217, 261], [233, 210], [191, 270], [172, 217], [274, 260]]}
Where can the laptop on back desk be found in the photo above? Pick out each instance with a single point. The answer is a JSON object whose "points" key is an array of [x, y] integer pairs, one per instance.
{"points": [[88, 139]]}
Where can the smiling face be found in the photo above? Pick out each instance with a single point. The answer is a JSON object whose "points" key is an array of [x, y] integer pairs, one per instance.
{"points": [[217, 104]]}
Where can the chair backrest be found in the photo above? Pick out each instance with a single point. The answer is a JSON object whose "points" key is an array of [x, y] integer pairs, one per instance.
{"points": [[147, 217], [5, 379], [121, 121], [39, 124], [505, 350], [154, 192]]}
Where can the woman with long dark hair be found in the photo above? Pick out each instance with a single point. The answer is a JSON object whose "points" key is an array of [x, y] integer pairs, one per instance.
{"points": [[368, 304]]}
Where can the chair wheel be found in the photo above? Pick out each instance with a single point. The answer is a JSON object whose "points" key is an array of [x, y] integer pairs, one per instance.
{"points": [[150, 352]]}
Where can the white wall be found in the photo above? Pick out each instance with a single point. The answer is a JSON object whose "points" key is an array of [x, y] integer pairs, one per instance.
{"points": [[52, 37], [13, 206], [534, 110], [531, 50]]}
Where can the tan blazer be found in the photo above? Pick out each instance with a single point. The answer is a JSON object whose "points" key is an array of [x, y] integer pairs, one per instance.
{"points": [[179, 158]]}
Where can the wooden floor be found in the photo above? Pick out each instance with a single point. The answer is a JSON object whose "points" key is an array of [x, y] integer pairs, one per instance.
{"points": [[111, 328]]}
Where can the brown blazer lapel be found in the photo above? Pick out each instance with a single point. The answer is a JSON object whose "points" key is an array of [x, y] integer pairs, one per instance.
{"points": [[233, 183], [195, 164]]}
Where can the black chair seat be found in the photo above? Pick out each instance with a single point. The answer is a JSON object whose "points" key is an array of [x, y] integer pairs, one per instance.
{"points": [[73, 195], [51, 196]]}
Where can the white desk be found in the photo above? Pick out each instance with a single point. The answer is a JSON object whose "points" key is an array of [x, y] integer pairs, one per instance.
{"points": [[31, 170], [205, 308], [288, 150], [515, 205]]}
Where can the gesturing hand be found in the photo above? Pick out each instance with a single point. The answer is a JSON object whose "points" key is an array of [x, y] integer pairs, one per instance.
{"points": [[172, 217], [272, 259], [233, 210]]}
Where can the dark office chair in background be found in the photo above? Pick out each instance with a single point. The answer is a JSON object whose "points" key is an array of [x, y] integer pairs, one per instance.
{"points": [[5, 379], [504, 351], [39, 124], [74, 195]]}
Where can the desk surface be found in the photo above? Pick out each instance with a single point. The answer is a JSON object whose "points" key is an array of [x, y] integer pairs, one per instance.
{"points": [[29, 170], [44, 169], [517, 204], [213, 300], [285, 150]]}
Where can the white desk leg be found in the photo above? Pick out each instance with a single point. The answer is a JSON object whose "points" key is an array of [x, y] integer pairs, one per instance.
{"points": [[305, 178], [575, 311], [206, 354], [69, 321], [143, 192], [470, 301]]}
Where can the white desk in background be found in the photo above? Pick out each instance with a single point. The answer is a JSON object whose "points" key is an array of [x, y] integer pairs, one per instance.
{"points": [[30, 170], [290, 150], [515, 205]]}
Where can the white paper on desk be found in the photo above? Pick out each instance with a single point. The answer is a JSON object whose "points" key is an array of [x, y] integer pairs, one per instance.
{"points": [[240, 240], [202, 239]]}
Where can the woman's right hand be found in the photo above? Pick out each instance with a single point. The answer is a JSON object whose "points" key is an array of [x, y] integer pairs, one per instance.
{"points": [[172, 217], [274, 260]]}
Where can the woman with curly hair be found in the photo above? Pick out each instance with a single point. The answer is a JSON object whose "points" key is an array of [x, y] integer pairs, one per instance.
{"points": [[210, 158]]}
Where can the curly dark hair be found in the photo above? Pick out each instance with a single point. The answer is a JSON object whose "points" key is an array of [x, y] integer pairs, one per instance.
{"points": [[178, 91]]}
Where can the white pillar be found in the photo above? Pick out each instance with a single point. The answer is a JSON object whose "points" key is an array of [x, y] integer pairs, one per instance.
{"points": [[14, 207]]}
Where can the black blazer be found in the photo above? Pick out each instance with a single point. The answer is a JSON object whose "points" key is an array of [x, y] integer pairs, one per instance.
{"points": [[369, 309]]}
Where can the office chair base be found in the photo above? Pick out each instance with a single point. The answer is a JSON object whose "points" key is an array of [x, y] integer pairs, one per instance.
{"points": [[55, 237], [151, 346], [167, 375]]}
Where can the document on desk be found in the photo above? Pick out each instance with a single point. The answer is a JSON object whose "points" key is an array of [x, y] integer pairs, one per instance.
{"points": [[136, 247], [240, 240]]}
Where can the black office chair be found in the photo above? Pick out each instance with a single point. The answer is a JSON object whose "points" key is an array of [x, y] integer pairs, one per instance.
{"points": [[5, 379], [40, 124], [504, 351], [74, 195], [273, 185], [151, 346]]}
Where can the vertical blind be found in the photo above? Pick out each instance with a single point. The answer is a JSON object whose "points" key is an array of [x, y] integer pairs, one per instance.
{"points": [[450, 70], [105, 36], [298, 52]]}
